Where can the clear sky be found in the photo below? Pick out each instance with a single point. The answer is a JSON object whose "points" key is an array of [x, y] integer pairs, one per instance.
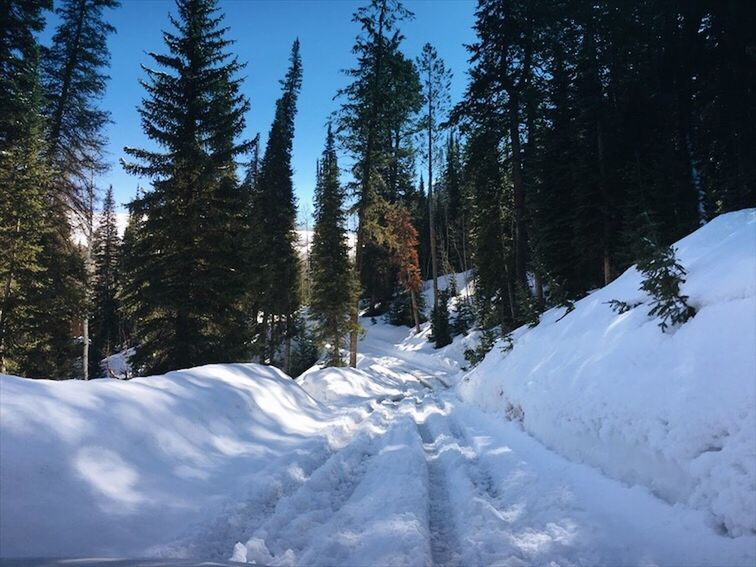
{"points": [[264, 31]]}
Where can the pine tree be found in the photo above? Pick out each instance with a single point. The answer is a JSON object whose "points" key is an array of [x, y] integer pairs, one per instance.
{"points": [[503, 60], [436, 82], [400, 237], [74, 82], [455, 213], [274, 213], [662, 277], [333, 283], [185, 293], [24, 175], [57, 303], [491, 241], [105, 313], [133, 252], [440, 329], [370, 118]]}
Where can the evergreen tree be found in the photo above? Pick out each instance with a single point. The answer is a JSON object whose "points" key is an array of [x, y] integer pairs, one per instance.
{"points": [[368, 117], [400, 237], [274, 213], [49, 347], [74, 82], [185, 293], [333, 285], [133, 251], [662, 277], [491, 241], [503, 59], [440, 329], [436, 81], [105, 313], [454, 208], [24, 174]]}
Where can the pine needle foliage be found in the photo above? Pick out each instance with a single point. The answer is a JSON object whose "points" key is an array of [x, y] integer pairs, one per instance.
{"points": [[333, 279], [74, 82], [274, 211], [106, 251], [662, 277], [185, 292], [440, 328]]}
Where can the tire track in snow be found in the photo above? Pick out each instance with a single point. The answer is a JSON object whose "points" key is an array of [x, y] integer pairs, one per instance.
{"points": [[286, 531], [444, 541], [471, 510], [478, 473], [241, 517]]}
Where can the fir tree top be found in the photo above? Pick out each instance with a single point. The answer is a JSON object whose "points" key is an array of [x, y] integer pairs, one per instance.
{"points": [[200, 78]]}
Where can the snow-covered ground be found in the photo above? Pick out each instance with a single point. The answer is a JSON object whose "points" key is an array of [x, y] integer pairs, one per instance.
{"points": [[674, 412], [635, 448], [117, 467]]}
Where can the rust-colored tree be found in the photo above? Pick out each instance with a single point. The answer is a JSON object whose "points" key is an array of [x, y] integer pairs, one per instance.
{"points": [[400, 236]]}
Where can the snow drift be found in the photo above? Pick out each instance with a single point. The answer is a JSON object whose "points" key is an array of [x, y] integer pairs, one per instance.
{"points": [[673, 411], [112, 467]]}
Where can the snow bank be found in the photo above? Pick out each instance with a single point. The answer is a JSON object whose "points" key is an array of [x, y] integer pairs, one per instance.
{"points": [[674, 412], [112, 467], [346, 386], [392, 362]]}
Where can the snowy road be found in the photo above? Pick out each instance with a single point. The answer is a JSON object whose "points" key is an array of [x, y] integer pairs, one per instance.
{"points": [[429, 480]]}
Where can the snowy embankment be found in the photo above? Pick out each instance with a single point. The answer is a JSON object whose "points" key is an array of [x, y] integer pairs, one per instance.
{"points": [[111, 467], [676, 411]]}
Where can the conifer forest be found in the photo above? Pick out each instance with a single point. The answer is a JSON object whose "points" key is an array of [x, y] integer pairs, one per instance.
{"points": [[586, 128]]}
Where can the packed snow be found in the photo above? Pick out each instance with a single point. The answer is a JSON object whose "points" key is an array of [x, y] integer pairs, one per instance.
{"points": [[597, 440]]}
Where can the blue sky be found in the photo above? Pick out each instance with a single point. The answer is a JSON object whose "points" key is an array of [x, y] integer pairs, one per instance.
{"points": [[264, 31]]}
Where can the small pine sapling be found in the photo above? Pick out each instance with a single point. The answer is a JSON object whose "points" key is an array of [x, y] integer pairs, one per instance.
{"points": [[528, 309], [487, 340], [622, 306], [662, 277], [465, 318], [440, 329]]}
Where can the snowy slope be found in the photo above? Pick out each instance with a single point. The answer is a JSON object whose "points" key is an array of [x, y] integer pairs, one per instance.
{"points": [[674, 412], [113, 467]]}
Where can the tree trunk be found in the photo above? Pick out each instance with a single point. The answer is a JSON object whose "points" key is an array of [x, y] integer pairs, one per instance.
{"points": [[538, 288], [355, 310], [287, 350], [520, 239], [7, 289], [88, 273], [415, 315], [353, 336], [431, 216], [85, 332], [605, 222], [366, 189], [264, 339], [336, 356]]}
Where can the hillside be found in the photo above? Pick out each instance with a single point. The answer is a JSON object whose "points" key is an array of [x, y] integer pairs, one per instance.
{"points": [[675, 411]]}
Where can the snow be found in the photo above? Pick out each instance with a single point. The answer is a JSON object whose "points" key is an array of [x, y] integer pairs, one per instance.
{"points": [[676, 412], [116, 467], [634, 447], [117, 365]]}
